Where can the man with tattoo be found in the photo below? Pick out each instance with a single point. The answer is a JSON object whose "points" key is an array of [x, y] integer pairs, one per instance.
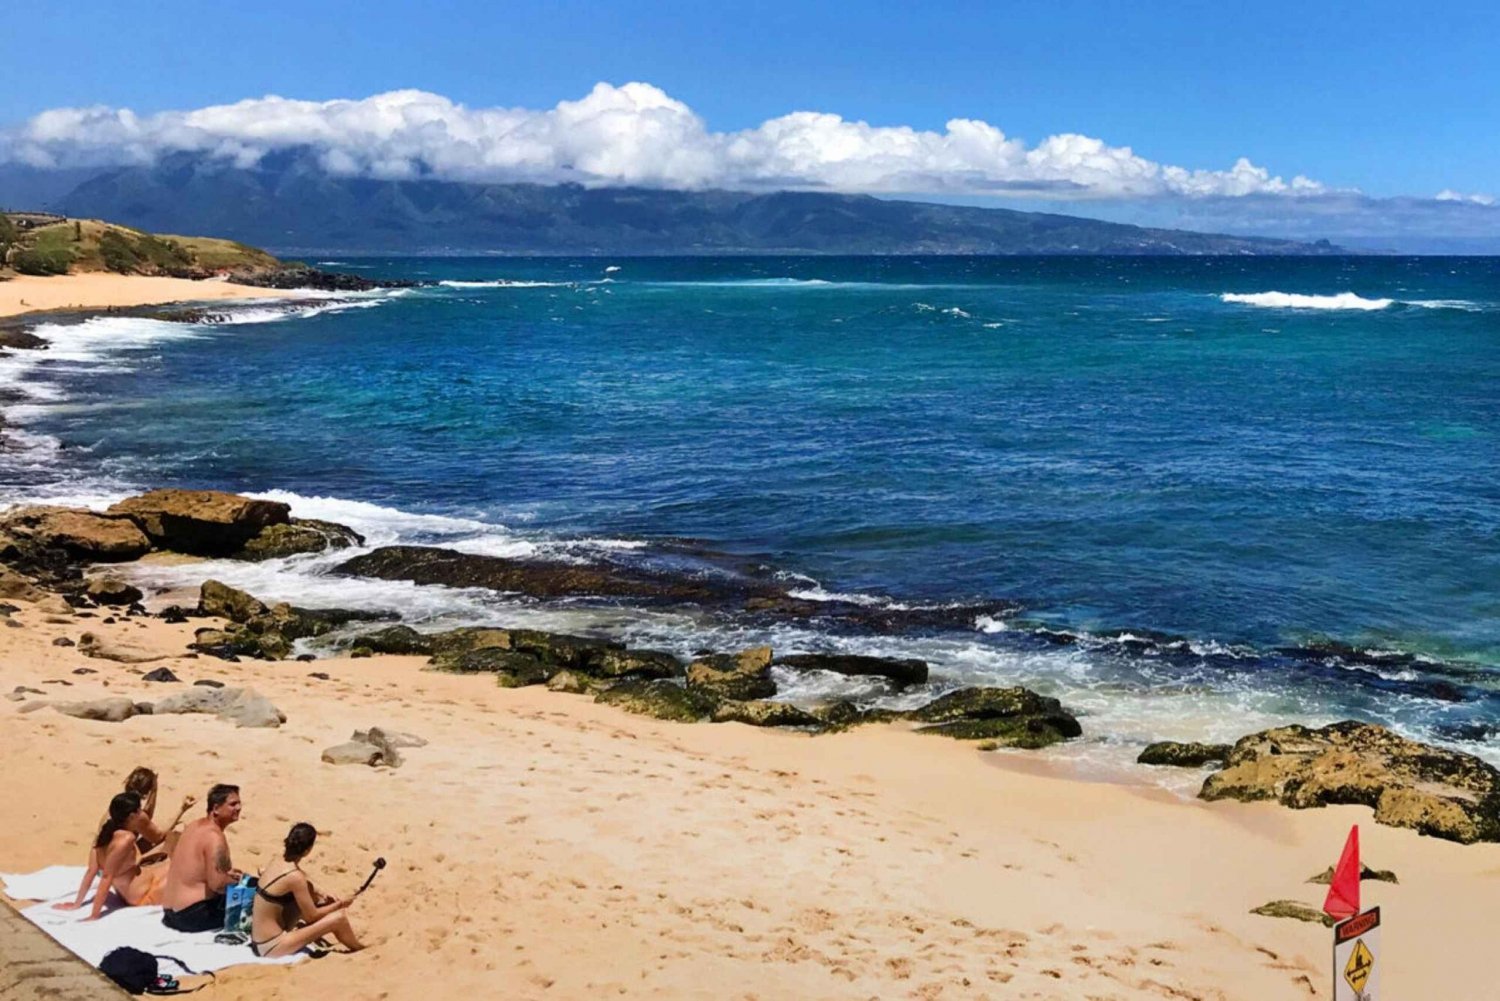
{"points": [[193, 898]]}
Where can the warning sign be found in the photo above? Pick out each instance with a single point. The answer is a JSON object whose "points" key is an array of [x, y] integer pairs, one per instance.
{"points": [[1356, 966]]}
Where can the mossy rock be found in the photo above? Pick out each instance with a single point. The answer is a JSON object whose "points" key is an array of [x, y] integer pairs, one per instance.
{"points": [[396, 640], [611, 663], [1365, 872], [215, 598], [660, 699], [1294, 910], [494, 660], [1183, 755], [762, 713], [1029, 733], [572, 683], [448, 646], [1012, 717], [559, 649], [300, 535], [743, 676]]}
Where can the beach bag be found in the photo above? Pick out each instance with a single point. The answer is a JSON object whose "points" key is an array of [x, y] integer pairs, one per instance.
{"points": [[137, 972], [238, 901]]}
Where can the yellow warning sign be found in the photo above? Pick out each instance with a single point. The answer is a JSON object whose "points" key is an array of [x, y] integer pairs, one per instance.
{"points": [[1361, 964], [1356, 943]]}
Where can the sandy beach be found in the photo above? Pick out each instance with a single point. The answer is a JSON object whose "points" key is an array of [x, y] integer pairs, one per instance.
{"points": [[542, 845], [101, 290]]}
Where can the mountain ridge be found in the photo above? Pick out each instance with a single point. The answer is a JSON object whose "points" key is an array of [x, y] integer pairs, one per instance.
{"points": [[288, 203]]}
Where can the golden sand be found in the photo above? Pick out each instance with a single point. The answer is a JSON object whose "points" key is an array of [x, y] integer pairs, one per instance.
{"points": [[544, 846]]}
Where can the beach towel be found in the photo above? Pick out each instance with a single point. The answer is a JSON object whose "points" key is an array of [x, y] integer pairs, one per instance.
{"points": [[138, 927]]}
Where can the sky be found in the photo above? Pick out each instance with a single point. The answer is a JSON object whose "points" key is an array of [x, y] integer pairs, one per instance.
{"points": [[1203, 114]]}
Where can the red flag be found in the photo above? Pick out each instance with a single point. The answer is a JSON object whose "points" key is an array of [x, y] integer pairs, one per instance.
{"points": [[1343, 890]]}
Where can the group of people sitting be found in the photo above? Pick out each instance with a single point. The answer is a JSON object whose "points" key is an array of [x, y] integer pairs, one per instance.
{"points": [[187, 872]]}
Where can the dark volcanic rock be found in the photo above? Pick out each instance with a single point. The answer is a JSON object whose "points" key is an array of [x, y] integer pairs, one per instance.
{"points": [[558, 650], [1184, 755], [1436, 791], [395, 639], [326, 281], [900, 672], [23, 340], [300, 535], [613, 663], [160, 674], [540, 579], [225, 602], [762, 713], [1013, 717], [200, 522], [111, 591], [661, 699], [744, 676], [512, 668]]}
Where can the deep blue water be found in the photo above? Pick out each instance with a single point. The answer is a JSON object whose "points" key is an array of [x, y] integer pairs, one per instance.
{"points": [[1106, 440]]}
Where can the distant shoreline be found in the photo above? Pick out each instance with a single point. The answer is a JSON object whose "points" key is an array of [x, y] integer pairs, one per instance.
{"points": [[27, 295]]}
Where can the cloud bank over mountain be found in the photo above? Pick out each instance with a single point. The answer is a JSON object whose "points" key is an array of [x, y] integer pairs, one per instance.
{"points": [[632, 134], [637, 134]]}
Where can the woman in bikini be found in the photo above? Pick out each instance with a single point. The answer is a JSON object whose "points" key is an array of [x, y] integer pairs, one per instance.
{"points": [[142, 781], [153, 843], [119, 860], [287, 913]]}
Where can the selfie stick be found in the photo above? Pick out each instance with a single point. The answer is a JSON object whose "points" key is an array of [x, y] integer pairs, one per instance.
{"points": [[379, 865]]}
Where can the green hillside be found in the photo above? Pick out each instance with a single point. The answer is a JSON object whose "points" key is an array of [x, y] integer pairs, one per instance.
{"points": [[36, 244]]}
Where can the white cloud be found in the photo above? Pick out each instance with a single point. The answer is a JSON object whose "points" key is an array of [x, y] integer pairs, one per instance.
{"points": [[1449, 195], [630, 134]]}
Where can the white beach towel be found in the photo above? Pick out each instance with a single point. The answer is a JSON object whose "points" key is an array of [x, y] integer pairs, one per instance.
{"points": [[139, 927]]}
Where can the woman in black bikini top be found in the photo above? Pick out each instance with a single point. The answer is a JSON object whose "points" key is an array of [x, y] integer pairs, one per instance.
{"points": [[282, 923]]}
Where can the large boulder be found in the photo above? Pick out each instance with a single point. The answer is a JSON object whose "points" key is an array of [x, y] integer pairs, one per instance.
{"points": [[1447, 794], [743, 676], [242, 706], [201, 522], [1012, 717], [1183, 755], [110, 590], [900, 671], [297, 536], [119, 651], [227, 602], [85, 535], [661, 699]]}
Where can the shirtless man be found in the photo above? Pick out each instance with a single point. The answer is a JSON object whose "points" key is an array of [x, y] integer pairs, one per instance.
{"points": [[193, 898]]}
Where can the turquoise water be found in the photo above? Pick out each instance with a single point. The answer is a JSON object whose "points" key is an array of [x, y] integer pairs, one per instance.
{"points": [[1159, 447]]}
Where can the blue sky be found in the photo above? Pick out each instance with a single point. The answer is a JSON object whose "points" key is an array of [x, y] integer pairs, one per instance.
{"points": [[1392, 99]]}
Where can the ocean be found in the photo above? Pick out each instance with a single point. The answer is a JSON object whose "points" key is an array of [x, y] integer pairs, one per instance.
{"points": [[1213, 494]]}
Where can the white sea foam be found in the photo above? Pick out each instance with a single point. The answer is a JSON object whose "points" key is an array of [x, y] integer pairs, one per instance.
{"points": [[504, 283], [1293, 300]]}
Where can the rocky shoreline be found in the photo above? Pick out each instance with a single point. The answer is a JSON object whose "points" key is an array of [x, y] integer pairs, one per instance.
{"points": [[54, 556]]}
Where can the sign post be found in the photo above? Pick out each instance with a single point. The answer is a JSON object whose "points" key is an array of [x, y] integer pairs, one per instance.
{"points": [[1356, 952]]}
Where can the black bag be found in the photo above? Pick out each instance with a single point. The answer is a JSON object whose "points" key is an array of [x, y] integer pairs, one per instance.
{"points": [[137, 973]]}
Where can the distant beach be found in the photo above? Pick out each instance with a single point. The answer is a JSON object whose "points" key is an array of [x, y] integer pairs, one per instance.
{"points": [[101, 291]]}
